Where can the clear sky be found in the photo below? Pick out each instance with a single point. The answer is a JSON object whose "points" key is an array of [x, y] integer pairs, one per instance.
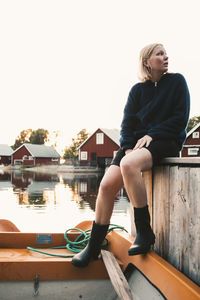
{"points": [[69, 65]]}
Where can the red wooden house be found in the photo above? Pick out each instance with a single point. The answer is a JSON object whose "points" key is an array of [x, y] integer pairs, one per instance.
{"points": [[191, 147], [5, 154], [31, 155], [99, 148]]}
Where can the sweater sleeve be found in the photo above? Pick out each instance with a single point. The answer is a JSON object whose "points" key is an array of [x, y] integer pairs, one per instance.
{"points": [[127, 140], [177, 122]]}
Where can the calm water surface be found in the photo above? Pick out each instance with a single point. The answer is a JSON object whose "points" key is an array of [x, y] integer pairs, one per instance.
{"points": [[54, 203]]}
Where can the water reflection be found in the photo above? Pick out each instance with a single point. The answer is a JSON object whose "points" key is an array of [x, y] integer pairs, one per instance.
{"points": [[31, 188], [53, 202]]}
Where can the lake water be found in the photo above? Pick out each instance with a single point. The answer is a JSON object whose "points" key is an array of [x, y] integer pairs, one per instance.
{"points": [[54, 203]]}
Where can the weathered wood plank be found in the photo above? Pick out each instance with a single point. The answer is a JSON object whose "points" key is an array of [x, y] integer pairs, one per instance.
{"points": [[116, 275], [194, 225], [183, 198], [147, 176], [161, 210], [173, 196], [181, 160], [176, 216]]}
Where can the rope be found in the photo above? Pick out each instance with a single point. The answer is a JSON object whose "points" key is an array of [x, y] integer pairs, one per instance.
{"points": [[79, 244]]}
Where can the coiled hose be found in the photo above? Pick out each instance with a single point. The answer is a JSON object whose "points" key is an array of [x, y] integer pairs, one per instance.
{"points": [[80, 242]]}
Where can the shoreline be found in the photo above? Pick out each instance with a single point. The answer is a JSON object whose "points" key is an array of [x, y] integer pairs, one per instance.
{"points": [[53, 169]]}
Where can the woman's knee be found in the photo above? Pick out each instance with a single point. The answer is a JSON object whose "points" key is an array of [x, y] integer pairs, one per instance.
{"points": [[112, 181], [129, 166], [139, 161], [109, 187], [105, 187]]}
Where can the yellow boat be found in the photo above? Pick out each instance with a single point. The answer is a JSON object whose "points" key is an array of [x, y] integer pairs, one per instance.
{"points": [[25, 273]]}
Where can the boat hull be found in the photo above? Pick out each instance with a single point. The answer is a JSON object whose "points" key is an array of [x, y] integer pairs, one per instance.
{"points": [[30, 272]]}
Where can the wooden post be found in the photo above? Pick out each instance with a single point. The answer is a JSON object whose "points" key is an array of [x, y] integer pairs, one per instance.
{"points": [[147, 175], [173, 190], [176, 214]]}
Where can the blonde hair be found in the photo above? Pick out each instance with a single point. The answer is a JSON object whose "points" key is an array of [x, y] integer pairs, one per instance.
{"points": [[145, 53]]}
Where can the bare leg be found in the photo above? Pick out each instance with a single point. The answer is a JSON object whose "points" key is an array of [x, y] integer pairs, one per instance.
{"points": [[131, 167], [129, 173], [111, 183]]}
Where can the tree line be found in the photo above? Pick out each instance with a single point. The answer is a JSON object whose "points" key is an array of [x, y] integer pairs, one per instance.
{"points": [[41, 136]]}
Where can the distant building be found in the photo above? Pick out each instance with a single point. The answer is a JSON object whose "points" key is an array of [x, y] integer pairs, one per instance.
{"points": [[31, 155], [99, 148], [191, 147], [5, 154]]}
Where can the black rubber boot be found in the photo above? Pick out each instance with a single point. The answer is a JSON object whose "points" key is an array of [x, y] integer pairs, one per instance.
{"points": [[144, 234], [93, 248]]}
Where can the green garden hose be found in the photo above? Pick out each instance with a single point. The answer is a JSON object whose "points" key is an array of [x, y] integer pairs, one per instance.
{"points": [[80, 242]]}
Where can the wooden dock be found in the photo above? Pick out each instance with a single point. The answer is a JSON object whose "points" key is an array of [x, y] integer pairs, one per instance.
{"points": [[173, 191]]}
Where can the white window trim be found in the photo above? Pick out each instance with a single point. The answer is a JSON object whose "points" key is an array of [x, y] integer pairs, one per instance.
{"points": [[18, 160], [100, 138], [191, 146], [195, 135], [193, 151], [83, 187], [84, 155]]}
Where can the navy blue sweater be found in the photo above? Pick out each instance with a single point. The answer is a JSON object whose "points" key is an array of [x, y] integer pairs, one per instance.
{"points": [[160, 111]]}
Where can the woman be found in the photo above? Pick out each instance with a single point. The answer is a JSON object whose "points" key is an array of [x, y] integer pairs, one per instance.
{"points": [[153, 127]]}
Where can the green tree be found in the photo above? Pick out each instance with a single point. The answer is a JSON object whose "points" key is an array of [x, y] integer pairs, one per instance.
{"points": [[193, 122], [39, 136], [69, 153], [22, 138], [72, 151]]}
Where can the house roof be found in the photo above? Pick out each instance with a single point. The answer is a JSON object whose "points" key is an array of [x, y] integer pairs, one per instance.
{"points": [[193, 129], [41, 150], [113, 134], [5, 150]]}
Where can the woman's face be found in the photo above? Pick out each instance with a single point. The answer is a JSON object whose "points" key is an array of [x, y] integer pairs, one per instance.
{"points": [[158, 61]]}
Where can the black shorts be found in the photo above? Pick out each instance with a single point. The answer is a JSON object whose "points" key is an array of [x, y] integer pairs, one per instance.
{"points": [[159, 149]]}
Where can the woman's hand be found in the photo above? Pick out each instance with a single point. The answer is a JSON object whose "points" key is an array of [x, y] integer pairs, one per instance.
{"points": [[145, 140], [128, 151]]}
